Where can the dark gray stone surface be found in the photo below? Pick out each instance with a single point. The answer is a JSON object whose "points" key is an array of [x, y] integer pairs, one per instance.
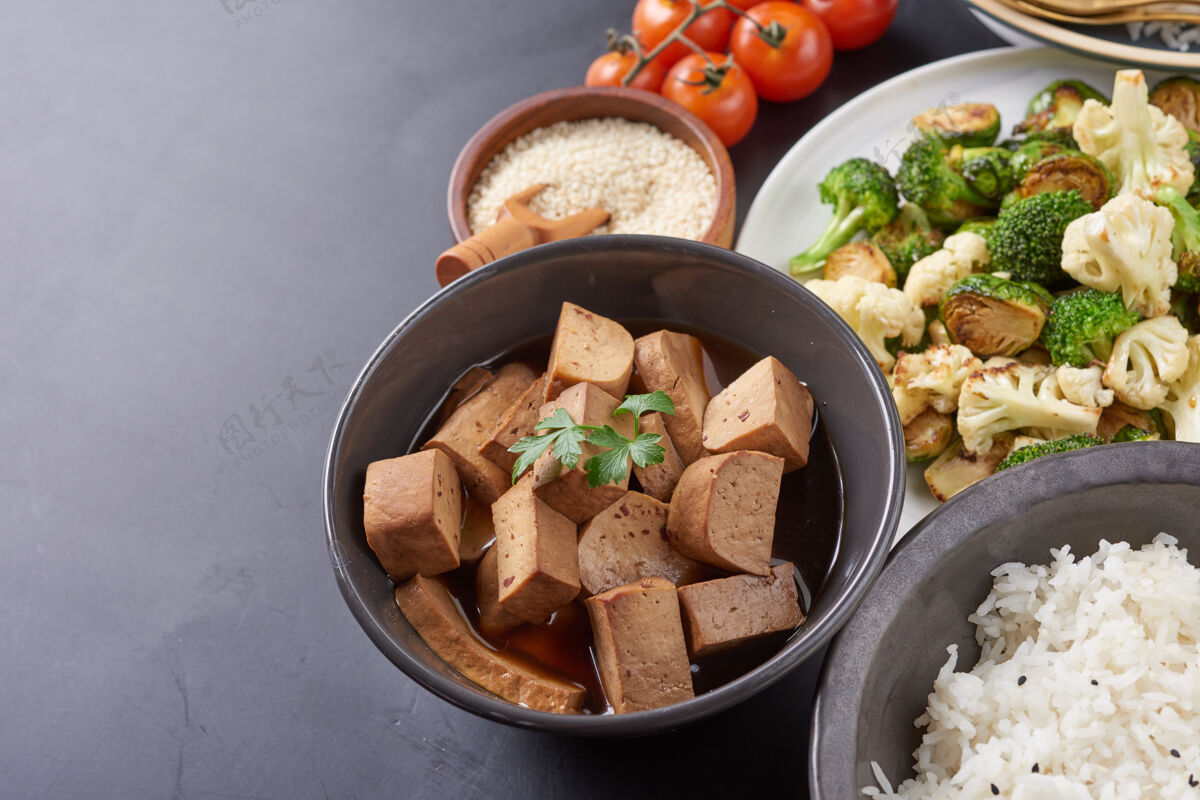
{"points": [[209, 221]]}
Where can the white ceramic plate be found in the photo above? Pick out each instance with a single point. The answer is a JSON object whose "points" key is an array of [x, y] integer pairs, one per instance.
{"points": [[787, 216]]}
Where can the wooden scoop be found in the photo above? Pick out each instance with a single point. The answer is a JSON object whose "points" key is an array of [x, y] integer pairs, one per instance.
{"points": [[515, 229]]}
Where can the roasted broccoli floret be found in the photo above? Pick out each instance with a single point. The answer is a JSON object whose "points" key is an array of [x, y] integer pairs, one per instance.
{"points": [[1026, 240], [1185, 238], [1067, 170], [1082, 325], [1179, 96], [967, 124], [992, 316], [1055, 107], [908, 238], [986, 169], [1024, 455], [863, 196], [926, 178]]}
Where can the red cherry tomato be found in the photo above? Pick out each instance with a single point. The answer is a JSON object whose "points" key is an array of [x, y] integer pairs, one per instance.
{"points": [[854, 23], [789, 59], [724, 98], [653, 21], [744, 5], [612, 67]]}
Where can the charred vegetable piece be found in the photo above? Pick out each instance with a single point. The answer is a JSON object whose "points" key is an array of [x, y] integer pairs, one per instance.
{"points": [[1133, 434], [1055, 107], [1026, 240], [1067, 170], [957, 468], [927, 435], [1185, 238], [1179, 96], [1026, 454], [992, 316], [908, 238], [862, 259], [987, 169], [926, 178], [1031, 152], [863, 196], [968, 124], [1082, 324], [1119, 416]]}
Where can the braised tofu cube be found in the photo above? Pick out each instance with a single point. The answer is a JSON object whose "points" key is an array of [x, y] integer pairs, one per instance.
{"points": [[726, 612], [565, 489], [430, 609], [674, 363], [477, 531], [589, 347], [538, 557], [640, 649], [514, 424], [470, 426], [765, 409], [659, 480], [627, 542], [494, 619], [723, 510], [412, 508]]}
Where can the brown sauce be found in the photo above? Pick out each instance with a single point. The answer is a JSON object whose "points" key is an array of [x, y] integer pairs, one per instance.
{"points": [[808, 525]]}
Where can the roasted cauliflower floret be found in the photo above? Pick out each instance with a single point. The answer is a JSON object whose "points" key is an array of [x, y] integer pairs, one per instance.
{"points": [[931, 379], [1142, 147], [1145, 359], [1014, 397], [932, 276], [1181, 409], [1083, 386], [874, 311], [1124, 247]]}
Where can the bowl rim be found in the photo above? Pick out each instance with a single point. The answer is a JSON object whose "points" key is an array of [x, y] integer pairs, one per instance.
{"points": [[482, 703], [843, 673], [458, 190]]}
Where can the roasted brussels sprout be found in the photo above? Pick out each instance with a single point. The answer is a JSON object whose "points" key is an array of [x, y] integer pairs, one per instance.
{"points": [[927, 435], [987, 169], [862, 259], [1031, 152], [1118, 416], [908, 238], [992, 316], [926, 178], [1055, 107], [968, 124], [1179, 96], [957, 468], [1185, 238], [1066, 170]]}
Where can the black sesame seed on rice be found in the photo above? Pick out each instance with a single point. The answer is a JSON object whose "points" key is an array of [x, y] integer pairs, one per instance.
{"points": [[1095, 682], [1021, 681], [1035, 768], [995, 789], [1174, 752]]}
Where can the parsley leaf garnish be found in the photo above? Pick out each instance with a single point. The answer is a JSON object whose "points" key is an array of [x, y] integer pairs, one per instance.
{"points": [[608, 466]]}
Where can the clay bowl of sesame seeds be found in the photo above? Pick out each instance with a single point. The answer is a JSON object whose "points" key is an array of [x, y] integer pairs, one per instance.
{"points": [[656, 167]]}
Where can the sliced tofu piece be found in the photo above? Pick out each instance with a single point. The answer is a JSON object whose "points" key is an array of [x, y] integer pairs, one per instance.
{"points": [[538, 558], [477, 531], [566, 490], [430, 609], [514, 424], [470, 426], [729, 611], [723, 510], [674, 363], [627, 542], [640, 648], [765, 409], [494, 619], [463, 389], [412, 508], [659, 480], [589, 347]]}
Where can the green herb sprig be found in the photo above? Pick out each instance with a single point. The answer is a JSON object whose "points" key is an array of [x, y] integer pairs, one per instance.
{"points": [[608, 466]]}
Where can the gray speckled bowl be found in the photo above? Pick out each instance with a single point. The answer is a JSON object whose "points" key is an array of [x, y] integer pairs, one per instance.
{"points": [[881, 667], [644, 278]]}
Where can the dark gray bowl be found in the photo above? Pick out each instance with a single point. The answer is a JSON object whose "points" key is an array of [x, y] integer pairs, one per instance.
{"points": [[669, 281], [881, 667]]}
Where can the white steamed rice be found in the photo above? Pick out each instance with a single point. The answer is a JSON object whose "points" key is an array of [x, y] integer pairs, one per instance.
{"points": [[1176, 35], [1088, 685]]}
